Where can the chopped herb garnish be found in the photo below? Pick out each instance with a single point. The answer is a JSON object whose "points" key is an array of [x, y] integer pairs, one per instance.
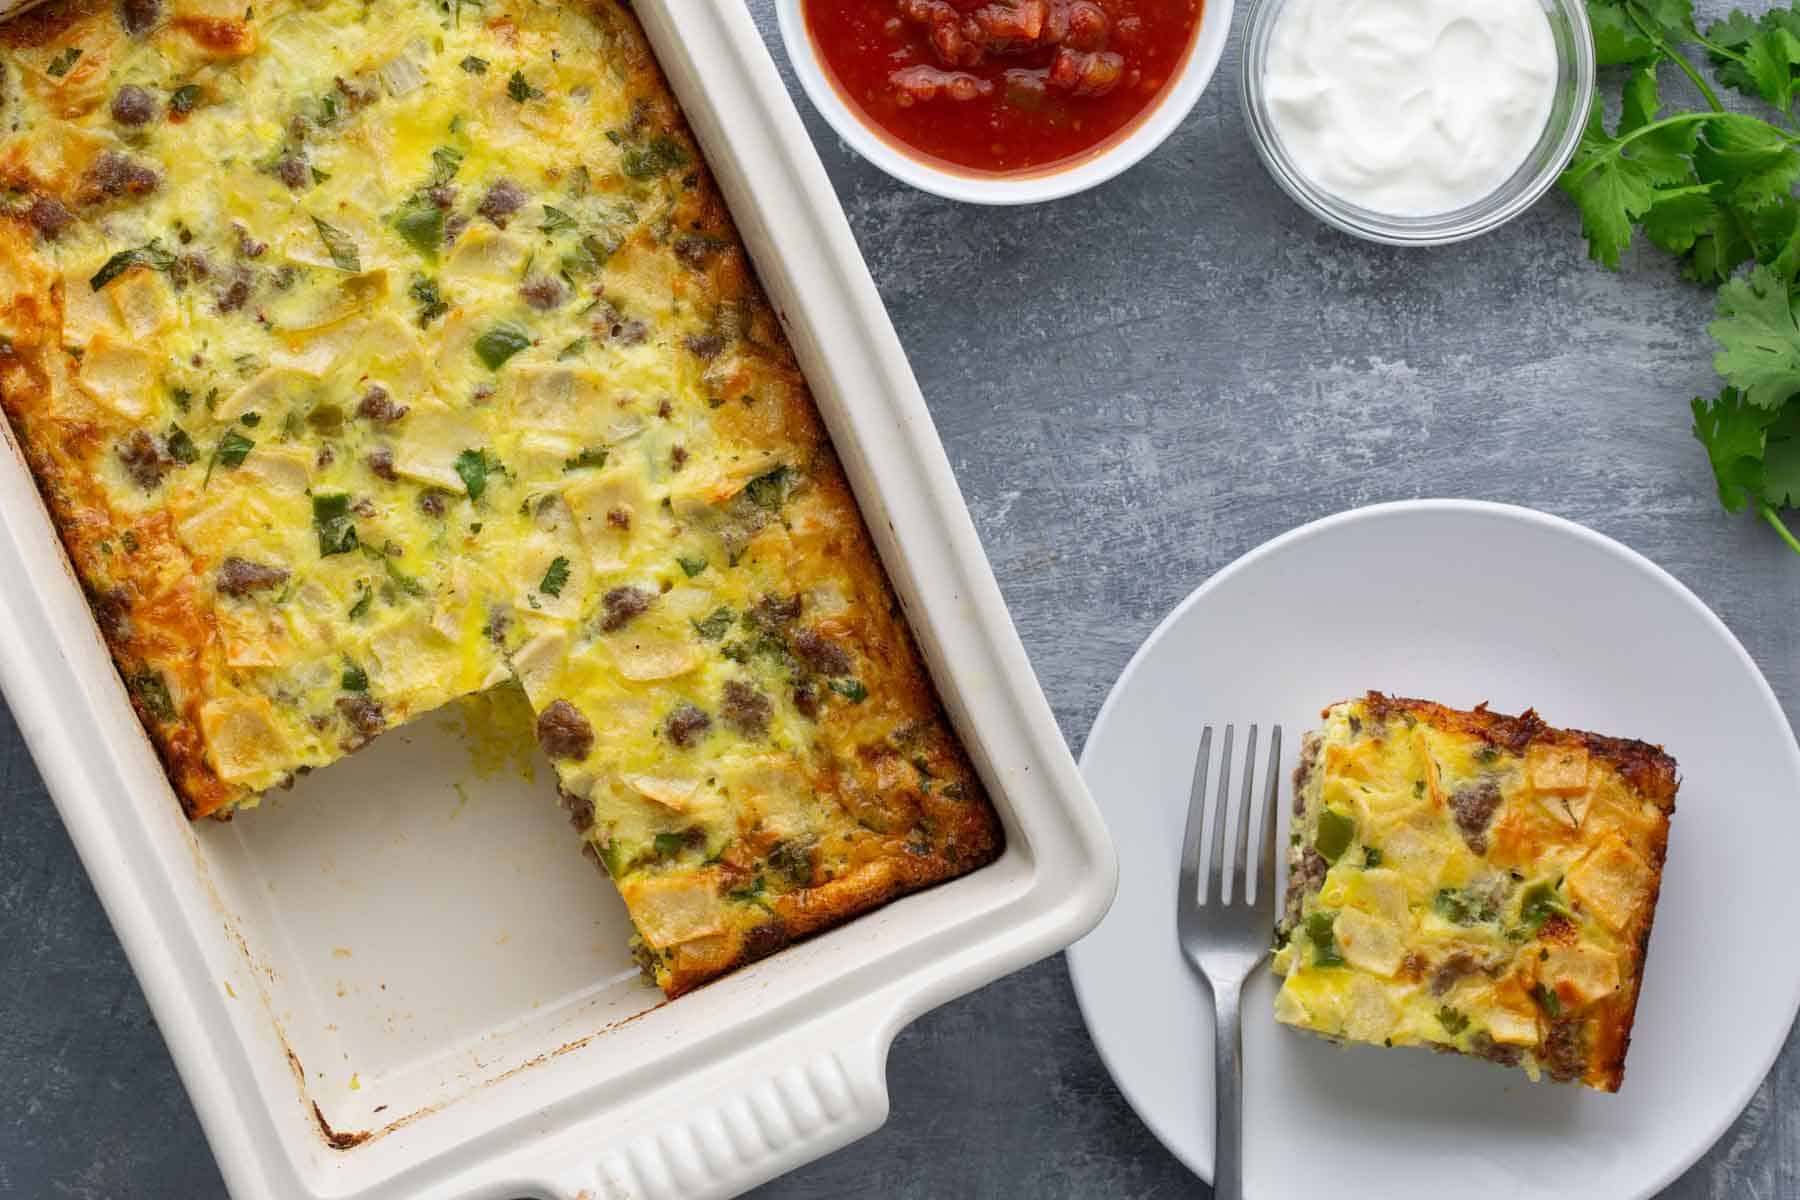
{"points": [[574, 349], [1452, 1021], [150, 255], [63, 62], [475, 66], [361, 607], [668, 845], [500, 343], [690, 566], [662, 155], [181, 446], [716, 624], [556, 220], [339, 245], [184, 99], [431, 301], [593, 456], [521, 90], [473, 466], [1371, 857], [354, 679], [771, 489], [234, 447], [1464, 907], [331, 518], [555, 577], [850, 689], [1547, 999], [1537, 905]]}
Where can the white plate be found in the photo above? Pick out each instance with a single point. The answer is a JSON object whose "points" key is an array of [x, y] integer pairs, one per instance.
{"points": [[1459, 602]]}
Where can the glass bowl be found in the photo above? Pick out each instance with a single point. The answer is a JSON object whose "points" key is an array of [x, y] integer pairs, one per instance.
{"points": [[1568, 114]]}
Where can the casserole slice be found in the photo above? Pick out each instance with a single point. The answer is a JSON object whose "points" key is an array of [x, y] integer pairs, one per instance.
{"points": [[1475, 883]]}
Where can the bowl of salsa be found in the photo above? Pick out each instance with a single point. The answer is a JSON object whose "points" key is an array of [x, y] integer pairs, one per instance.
{"points": [[1004, 101]]}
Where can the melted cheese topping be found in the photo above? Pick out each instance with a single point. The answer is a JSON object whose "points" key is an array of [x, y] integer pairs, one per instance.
{"points": [[1459, 894], [419, 331]]}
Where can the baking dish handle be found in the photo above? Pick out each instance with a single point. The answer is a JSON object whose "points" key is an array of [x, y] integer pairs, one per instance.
{"points": [[782, 1104]]}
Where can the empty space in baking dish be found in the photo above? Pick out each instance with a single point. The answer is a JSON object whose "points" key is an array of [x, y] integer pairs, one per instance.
{"points": [[419, 919]]}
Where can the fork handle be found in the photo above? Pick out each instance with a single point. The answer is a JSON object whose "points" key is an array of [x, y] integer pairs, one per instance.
{"points": [[1228, 1106]]}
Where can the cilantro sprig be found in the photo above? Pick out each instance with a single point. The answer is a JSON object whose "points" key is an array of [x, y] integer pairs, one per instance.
{"points": [[1714, 187]]}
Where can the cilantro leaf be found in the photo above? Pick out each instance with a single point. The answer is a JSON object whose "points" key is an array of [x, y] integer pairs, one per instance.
{"points": [[1750, 160], [473, 467], [331, 520], [1759, 338], [1734, 434], [1781, 460], [420, 223], [521, 90], [1613, 181], [1617, 38], [151, 255], [555, 577]]}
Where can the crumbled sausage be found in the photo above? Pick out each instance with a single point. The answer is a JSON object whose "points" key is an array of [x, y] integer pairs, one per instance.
{"points": [[745, 709], [819, 652], [358, 93], [236, 293], [364, 716], [774, 612], [1482, 1045], [248, 246], [543, 292], [760, 941], [695, 251], [240, 577], [563, 732], [431, 502], [502, 200], [49, 217], [622, 604], [678, 457], [704, 345], [113, 175], [1473, 807], [619, 518], [381, 461], [139, 16], [442, 196], [132, 105], [687, 724], [292, 170], [378, 405], [580, 809], [1452, 969], [806, 701], [144, 460], [1564, 1051]]}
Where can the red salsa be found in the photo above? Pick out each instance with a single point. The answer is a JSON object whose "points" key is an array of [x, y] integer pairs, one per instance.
{"points": [[1001, 86]]}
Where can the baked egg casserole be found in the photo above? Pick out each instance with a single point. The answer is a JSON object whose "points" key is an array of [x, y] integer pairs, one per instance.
{"points": [[1472, 882], [373, 353]]}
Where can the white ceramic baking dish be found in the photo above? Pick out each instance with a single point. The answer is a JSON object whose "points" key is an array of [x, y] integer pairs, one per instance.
{"points": [[401, 980]]}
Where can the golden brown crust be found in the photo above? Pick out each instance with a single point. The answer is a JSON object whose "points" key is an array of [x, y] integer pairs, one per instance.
{"points": [[138, 577]]}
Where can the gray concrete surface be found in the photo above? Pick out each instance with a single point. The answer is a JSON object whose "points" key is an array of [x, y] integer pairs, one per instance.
{"points": [[1136, 386]]}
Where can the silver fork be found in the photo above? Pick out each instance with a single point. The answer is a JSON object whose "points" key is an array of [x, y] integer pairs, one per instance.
{"points": [[1225, 940]]}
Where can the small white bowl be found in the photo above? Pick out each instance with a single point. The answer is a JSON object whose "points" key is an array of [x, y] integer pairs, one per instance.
{"points": [[1027, 187]]}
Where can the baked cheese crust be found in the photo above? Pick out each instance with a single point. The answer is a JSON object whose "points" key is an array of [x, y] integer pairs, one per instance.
{"points": [[372, 354], [1474, 883]]}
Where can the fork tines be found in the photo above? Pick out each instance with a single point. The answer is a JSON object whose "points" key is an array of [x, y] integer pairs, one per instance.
{"points": [[1211, 881]]}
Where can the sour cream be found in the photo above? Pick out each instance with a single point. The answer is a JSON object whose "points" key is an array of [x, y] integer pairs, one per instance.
{"points": [[1410, 107]]}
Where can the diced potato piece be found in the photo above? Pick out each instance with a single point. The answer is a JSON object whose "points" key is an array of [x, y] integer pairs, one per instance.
{"points": [[673, 794], [142, 301], [671, 909], [1557, 768], [1511, 1028], [1612, 882], [118, 376], [243, 740], [1589, 971], [1369, 943]]}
